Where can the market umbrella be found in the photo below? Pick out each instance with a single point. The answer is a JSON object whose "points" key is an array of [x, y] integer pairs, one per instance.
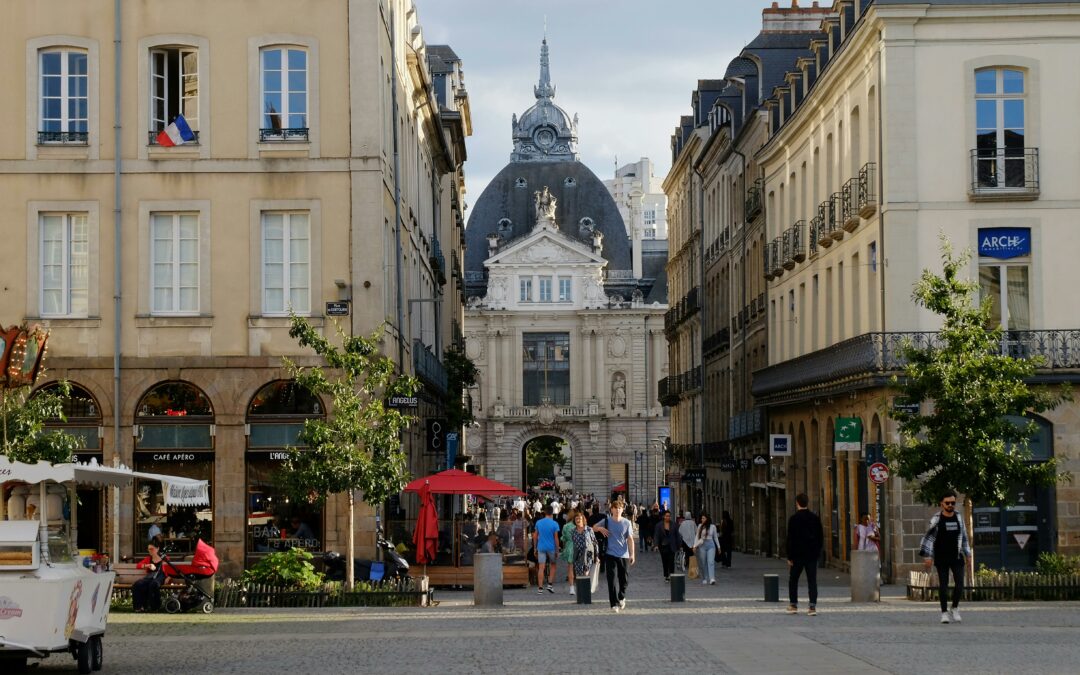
{"points": [[426, 536], [458, 482]]}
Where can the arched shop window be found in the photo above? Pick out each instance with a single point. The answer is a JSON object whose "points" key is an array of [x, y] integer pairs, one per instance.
{"points": [[82, 419], [276, 522], [174, 434]]}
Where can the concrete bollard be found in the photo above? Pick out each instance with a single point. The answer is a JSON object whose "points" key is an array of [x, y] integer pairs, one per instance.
{"points": [[865, 576], [678, 587], [487, 580]]}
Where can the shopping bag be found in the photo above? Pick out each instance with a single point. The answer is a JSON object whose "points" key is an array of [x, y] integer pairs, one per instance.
{"points": [[595, 576], [693, 573]]}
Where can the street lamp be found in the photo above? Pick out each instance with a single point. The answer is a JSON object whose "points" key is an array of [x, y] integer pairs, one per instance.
{"points": [[638, 456]]}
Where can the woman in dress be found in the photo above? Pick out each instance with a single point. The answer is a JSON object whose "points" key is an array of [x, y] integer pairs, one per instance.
{"points": [[583, 545], [567, 544], [705, 545]]}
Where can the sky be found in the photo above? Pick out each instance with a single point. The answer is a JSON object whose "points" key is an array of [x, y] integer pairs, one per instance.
{"points": [[627, 67]]}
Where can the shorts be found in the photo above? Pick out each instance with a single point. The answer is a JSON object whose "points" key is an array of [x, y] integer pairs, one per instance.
{"points": [[547, 556]]}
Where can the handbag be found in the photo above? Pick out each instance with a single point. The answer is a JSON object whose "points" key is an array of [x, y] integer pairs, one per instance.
{"points": [[693, 572]]}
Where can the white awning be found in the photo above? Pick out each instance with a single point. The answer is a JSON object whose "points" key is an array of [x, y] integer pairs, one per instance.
{"points": [[178, 491]]}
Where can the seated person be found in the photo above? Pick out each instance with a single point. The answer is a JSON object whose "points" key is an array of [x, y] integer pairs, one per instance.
{"points": [[146, 592], [300, 530], [492, 545]]}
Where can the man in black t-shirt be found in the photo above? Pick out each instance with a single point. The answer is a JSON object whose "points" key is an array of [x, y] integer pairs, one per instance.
{"points": [[945, 546]]}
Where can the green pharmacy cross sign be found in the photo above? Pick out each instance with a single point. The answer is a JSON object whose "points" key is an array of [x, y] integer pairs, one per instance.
{"points": [[848, 435]]}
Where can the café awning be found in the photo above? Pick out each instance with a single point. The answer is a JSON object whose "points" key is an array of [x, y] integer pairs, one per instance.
{"points": [[458, 482], [178, 491]]}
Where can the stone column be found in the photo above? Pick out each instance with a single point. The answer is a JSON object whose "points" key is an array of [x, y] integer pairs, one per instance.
{"points": [[492, 374], [586, 365], [602, 385], [509, 377]]}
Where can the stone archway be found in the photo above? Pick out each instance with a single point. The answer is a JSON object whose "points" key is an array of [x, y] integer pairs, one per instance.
{"points": [[518, 443]]}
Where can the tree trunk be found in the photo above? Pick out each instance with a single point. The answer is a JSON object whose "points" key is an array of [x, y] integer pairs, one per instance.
{"points": [[350, 572]]}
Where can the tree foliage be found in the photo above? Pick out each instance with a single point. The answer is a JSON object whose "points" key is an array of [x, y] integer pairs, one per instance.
{"points": [[461, 374], [967, 443], [23, 414], [358, 447], [541, 456]]}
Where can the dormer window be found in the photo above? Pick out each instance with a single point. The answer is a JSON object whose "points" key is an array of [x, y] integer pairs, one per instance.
{"points": [[521, 183], [570, 181]]}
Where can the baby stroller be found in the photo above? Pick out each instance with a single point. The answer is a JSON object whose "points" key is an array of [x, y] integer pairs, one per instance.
{"points": [[203, 565]]}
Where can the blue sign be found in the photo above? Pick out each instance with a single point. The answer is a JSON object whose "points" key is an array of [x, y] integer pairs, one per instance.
{"points": [[1004, 242], [451, 448], [663, 497]]}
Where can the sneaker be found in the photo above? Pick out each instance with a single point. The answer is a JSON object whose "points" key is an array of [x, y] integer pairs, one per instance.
{"points": [[573, 591], [622, 604], [668, 579], [540, 591], [712, 582], [812, 611], [704, 582], [955, 615], [616, 609], [945, 617], [792, 609], [551, 589]]}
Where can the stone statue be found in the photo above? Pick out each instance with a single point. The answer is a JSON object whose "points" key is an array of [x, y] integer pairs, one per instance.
{"points": [[545, 205], [618, 392]]}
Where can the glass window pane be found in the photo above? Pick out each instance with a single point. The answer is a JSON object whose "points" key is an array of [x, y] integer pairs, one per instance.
{"points": [[191, 63], [1014, 114], [76, 63], [50, 63], [80, 87], [1017, 297], [189, 300], [189, 226], [990, 289], [272, 81], [1012, 82], [299, 300], [298, 226], [297, 59], [986, 114], [274, 275], [163, 275], [189, 274], [273, 225], [298, 250], [162, 299], [297, 121], [52, 108], [52, 302], [50, 86], [271, 59], [297, 81], [297, 104]]}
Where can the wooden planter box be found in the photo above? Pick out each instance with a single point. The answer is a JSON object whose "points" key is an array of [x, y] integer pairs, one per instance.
{"points": [[1005, 586]]}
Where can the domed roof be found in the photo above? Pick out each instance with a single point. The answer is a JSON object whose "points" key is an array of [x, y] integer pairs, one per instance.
{"points": [[545, 132], [507, 208]]}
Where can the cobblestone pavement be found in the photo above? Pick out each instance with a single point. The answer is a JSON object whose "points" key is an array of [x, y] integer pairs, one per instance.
{"points": [[725, 628]]}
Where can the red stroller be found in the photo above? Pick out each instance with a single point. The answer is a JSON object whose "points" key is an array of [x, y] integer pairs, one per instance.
{"points": [[203, 565]]}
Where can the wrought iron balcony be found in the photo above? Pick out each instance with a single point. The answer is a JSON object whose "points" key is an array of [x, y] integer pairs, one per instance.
{"points": [[63, 138], [870, 359], [794, 248], [1004, 173], [686, 307], [428, 368], [836, 222], [815, 234], [292, 135], [849, 209], [867, 201], [438, 262], [717, 342], [825, 223], [747, 423], [152, 138], [752, 205]]}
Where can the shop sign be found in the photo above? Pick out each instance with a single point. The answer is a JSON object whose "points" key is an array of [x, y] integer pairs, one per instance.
{"points": [[779, 445], [728, 464], [86, 457], [693, 475], [1004, 242], [848, 434], [744, 464], [761, 460], [451, 448], [674, 477], [179, 456], [399, 402]]}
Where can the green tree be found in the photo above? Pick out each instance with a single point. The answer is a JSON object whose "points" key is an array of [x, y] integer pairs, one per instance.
{"points": [[23, 414], [358, 447], [966, 442], [541, 456], [461, 374]]}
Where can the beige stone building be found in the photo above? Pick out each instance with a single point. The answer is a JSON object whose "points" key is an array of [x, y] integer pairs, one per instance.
{"points": [[323, 164]]}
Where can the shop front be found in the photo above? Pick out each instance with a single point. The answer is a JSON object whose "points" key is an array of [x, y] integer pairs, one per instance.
{"points": [[174, 435], [275, 521]]}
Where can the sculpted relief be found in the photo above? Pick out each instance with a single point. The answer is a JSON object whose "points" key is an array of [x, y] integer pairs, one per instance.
{"points": [[618, 392]]}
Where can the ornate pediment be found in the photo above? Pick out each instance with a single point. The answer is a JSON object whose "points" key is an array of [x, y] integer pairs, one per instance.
{"points": [[546, 248]]}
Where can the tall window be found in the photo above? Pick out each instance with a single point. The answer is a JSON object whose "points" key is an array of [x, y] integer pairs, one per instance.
{"points": [[546, 368], [565, 289], [999, 121], [545, 289], [64, 264], [174, 87], [64, 107], [1007, 287], [525, 292], [286, 255], [175, 262], [284, 94]]}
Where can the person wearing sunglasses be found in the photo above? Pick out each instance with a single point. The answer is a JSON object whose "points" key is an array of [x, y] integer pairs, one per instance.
{"points": [[945, 546]]}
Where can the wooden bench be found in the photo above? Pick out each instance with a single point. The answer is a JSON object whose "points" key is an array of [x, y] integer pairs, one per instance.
{"points": [[440, 575], [128, 573]]}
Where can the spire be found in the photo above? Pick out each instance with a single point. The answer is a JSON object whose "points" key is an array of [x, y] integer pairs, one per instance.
{"points": [[545, 88]]}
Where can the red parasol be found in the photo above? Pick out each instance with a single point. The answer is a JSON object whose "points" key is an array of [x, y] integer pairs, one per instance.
{"points": [[426, 536], [458, 482]]}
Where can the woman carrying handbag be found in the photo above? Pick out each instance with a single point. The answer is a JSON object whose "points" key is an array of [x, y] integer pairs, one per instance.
{"points": [[705, 546]]}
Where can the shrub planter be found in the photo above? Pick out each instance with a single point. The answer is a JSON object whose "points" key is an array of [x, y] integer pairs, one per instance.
{"points": [[390, 593], [1001, 586]]}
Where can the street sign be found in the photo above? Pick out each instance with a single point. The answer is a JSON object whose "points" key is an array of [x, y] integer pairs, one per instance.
{"points": [[337, 308], [399, 402], [674, 477], [1022, 539], [761, 460], [779, 445], [451, 448], [879, 473], [904, 406]]}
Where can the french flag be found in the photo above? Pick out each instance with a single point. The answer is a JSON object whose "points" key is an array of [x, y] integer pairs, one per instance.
{"points": [[176, 133]]}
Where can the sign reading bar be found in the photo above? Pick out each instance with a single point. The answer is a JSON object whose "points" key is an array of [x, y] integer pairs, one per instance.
{"points": [[398, 402], [337, 308], [780, 445], [848, 435], [1004, 242]]}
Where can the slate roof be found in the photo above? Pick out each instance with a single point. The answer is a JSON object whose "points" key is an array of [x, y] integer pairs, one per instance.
{"points": [[740, 66]]}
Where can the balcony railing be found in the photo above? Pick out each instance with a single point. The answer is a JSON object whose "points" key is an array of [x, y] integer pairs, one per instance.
{"points": [[825, 223], [63, 138], [561, 411], [686, 307], [1004, 173], [752, 205], [428, 368], [438, 262], [849, 205], [717, 342], [836, 223], [794, 248], [746, 423], [673, 387], [292, 135], [872, 357], [151, 138], [867, 201], [815, 234]]}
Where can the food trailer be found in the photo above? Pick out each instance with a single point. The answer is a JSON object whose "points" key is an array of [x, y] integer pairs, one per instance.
{"points": [[51, 598]]}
